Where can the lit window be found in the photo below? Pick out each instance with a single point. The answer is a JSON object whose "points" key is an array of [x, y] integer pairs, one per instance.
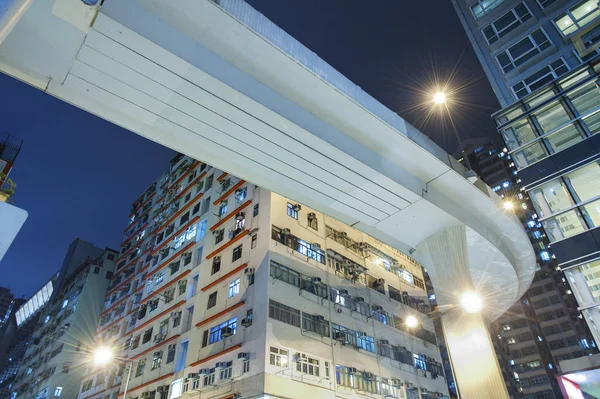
{"points": [[65, 303], [278, 357], [577, 17], [545, 255], [481, 7], [234, 287], [58, 391], [292, 211]]}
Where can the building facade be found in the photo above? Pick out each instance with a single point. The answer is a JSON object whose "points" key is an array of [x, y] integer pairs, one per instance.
{"points": [[227, 290], [543, 327], [6, 299], [51, 366], [540, 57]]}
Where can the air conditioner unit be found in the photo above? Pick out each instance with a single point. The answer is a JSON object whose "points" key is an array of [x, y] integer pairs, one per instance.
{"points": [[376, 308], [246, 322], [297, 207], [358, 299], [319, 318], [351, 370], [174, 315], [439, 395], [238, 191], [315, 245], [343, 234], [395, 382], [243, 355], [297, 357], [315, 280], [312, 216], [380, 281], [249, 270], [146, 395], [221, 365], [159, 337], [192, 376], [216, 232], [240, 216], [204, 371], [343, 292], [286, 232], [339, 336], [226, 332], [384, 342]]}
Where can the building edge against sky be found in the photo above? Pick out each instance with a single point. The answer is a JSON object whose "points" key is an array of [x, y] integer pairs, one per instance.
{"points": [[541, 59], [254, 117]]}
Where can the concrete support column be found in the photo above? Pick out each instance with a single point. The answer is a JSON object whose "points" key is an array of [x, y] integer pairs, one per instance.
{"points": [[476, 370]]}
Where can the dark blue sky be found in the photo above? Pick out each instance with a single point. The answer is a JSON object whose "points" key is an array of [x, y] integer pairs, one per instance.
{"points": [[77, 174]]}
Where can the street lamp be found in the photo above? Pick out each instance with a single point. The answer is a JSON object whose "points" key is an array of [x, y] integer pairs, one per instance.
{"points": [[439, 98], [411, 321], [471, 302], [509, 205], [104, 356]]}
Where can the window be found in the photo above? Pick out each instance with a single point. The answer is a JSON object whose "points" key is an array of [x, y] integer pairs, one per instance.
{"points": [[307, 365], [171, 353], [209, 379], [177, 319], [205, 206], [419, 361], [196, 208], [216, 266], [223, 209], [234, 287], [545, 3], [87, 385], [223, 331], [316, 324], [237, 253], [153, 305], [506, 23], [212, 300], [209, 182], [283, 313], [246, 367], [58, 391], [577, 17], [187, 197], [65, 368], [226, 371], [240, 195], [524, 50], [159, 278], [254, 240], [312, 222], [140, 368], [219, 236], [540, 78], [147, 336], [481, 7], [278, 357], [156, 360], [292, 211], [184, 218], [255, 211], [365, 342]]}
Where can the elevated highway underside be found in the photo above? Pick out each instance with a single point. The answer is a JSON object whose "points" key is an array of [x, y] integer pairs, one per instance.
{"points": [[219, 82]]}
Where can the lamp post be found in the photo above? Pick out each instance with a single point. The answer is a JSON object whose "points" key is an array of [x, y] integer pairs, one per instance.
{"points": [[103, 356]]}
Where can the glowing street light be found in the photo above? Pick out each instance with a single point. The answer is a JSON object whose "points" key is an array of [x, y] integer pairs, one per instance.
{"points": [[471, 302], [103, 356], [509, 205], [411, 321], [439, 98]]}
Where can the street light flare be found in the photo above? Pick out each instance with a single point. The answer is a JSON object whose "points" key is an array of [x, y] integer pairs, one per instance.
{"points": [[103, 355], [509, 205], [471, 302], [439, 97], [411, 321]]}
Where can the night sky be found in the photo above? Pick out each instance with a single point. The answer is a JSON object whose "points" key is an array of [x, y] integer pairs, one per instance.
{"points": [[77, 175]]}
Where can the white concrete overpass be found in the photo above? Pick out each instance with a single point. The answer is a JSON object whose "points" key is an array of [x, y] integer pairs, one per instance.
{"points": [[218, 81]]}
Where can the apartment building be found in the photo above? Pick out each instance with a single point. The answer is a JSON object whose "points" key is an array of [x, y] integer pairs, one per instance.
{"points": [[540, 58], [51, 366], [543, 327], [227, 290]]}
